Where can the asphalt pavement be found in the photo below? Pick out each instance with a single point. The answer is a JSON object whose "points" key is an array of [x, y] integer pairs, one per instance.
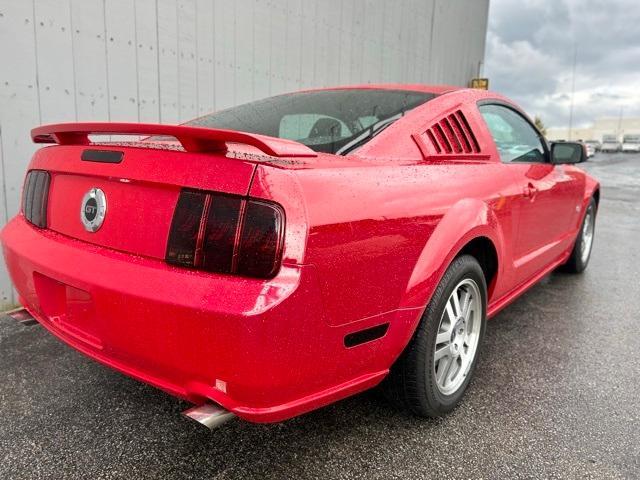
{"points": [[556, 395]]}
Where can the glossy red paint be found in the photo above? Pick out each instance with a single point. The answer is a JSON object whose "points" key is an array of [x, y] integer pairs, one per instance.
{"points": [[368, 237]]}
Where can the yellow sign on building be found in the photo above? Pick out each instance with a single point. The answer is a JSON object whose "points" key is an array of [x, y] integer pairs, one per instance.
{"points": [[481, 83]]}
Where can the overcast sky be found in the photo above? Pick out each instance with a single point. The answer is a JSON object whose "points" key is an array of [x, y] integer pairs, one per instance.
{"points": [[530, 51]]}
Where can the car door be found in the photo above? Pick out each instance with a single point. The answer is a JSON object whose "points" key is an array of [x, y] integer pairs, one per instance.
{"points": [[548, 198]]}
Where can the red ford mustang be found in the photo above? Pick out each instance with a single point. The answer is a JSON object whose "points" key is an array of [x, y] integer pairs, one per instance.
{"points": [[268, 259]]}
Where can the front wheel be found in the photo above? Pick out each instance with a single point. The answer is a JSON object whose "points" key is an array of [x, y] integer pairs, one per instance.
{"points": [[581, 252], [434, 371]]}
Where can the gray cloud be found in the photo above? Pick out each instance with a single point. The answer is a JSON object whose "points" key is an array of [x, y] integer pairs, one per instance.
{"points": [[530, 51]]}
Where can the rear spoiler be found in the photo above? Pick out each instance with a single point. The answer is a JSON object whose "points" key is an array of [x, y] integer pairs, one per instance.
{"points": [[193, 139]]}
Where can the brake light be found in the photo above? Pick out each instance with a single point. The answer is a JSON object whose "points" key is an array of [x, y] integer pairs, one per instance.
{"points": [[35, 195], [260, 239], [226, 234]]}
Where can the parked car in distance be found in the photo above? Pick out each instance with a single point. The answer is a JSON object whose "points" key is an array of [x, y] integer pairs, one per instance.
{"points": [[631, 143], [610, 143], [589, 149], [274, 257], [595, 145]]}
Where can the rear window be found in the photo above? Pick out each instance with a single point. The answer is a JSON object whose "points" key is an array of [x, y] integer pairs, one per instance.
{"points": [[332, 121]]}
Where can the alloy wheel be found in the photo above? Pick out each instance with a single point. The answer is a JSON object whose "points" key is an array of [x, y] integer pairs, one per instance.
{"points": [[587, 234], [458, 336]]}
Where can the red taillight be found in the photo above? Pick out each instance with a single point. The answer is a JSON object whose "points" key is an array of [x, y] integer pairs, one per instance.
{"points": [[185, 227], [260, 239], [226, 234], [34, 197], [219, 242]]}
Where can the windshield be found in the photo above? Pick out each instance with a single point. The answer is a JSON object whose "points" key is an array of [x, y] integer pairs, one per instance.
{"points": [[631, 139], [332, 121]]}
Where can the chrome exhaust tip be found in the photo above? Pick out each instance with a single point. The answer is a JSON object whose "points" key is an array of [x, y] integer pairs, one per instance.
{"points": [[21, 315], [211, 415]]}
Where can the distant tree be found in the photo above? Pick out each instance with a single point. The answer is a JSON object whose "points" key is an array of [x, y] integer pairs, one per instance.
{"points": [[538, 121]]}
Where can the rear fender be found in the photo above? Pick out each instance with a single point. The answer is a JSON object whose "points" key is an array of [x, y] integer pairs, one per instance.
{"points": [[466, 220]]}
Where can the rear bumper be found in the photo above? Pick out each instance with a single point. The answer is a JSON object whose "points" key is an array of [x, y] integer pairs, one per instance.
{"points": [[262, 349]]}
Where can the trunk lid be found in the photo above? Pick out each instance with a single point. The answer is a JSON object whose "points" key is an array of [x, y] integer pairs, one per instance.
{"points": [[140, 191]]}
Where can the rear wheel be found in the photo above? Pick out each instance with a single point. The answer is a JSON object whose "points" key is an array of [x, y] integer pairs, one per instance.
{"points": [[434, 371], [581, 252]]}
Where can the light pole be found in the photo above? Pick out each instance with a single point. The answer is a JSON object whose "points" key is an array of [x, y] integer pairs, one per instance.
{"points": [[573, 88], [620, 132]]}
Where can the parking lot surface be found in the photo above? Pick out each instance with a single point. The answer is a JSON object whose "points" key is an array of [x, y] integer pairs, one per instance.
{"points": [[556, 395]]}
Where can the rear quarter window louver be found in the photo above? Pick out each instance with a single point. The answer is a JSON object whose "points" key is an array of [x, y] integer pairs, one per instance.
{"points": [[452, 134], [35, 195]]}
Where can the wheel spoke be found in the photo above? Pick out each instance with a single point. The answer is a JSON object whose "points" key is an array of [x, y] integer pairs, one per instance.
{"points": [[443, 337], [466, 305], [443, 370], [464, 360], [456, 303], [450, 313], [441, 353], [453, 370], [587, 224]]}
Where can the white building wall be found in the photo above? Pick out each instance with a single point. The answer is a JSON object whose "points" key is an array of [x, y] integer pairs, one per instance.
{"points": [[171, 60], [602, 126]]}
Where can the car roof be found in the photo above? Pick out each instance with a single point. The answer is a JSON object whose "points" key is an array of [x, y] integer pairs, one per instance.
{"points": [[415, 87]]}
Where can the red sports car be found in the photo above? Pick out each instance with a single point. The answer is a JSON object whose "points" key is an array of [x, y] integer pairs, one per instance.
{"points": [[272, 258]]}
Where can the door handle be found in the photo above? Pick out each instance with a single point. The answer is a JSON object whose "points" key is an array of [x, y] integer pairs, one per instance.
{"points": [[530, 191]]}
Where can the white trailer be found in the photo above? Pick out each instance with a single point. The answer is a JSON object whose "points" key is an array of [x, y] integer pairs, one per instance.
{"points": [[631, 143], [610, 143]]}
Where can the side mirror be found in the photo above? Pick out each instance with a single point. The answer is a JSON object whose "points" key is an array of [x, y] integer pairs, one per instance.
{"points": [[568, 152]]}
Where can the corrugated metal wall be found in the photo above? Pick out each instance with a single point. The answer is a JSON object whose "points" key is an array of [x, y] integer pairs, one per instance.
{"points": [[168, 61]]}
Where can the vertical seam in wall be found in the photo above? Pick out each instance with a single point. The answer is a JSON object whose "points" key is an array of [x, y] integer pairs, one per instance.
{"points": [[270, 71], [355, 76], [106, 57], [195, 23], [315, 38], [353, 29], [158, 64], [35, 44], [4, 181], [433, 16], [485, 27], [213, 52], [405, 44], [382, 46], [363, 51], [340, 79], [178, 62], [285, 57], [253, 54], [301, 42], [235, 54], [73, 62], [11, 293], [135, 49]]}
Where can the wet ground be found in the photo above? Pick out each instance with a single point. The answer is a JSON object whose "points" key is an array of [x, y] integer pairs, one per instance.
{"points": [[556, 395]]}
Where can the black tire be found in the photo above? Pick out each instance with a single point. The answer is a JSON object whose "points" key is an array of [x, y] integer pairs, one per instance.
{"points": [[411, 383], [577, 263]]}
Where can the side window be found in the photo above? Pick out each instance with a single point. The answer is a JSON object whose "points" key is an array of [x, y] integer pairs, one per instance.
{"points": [[516, 139]]}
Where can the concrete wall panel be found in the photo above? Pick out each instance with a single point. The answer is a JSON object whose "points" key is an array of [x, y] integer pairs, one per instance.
{"points": [[171, 60], [146, 48]]}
